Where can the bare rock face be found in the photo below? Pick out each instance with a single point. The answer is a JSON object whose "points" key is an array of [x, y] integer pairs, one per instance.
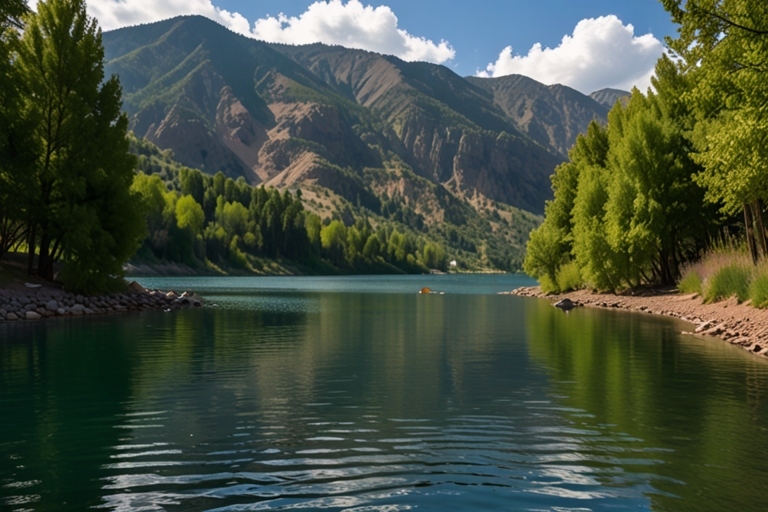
{"points": [[195, 144], [289, 115], [240, 132]]}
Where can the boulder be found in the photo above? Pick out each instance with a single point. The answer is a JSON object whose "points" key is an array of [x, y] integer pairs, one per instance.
{"points": [[11, 316], [61, 311], [136, 287], [31, 315], [52, 305], [566, 304], [703, 327]]}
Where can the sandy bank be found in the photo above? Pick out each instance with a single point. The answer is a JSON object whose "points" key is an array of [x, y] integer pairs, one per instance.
{"points": [[738, 324]]}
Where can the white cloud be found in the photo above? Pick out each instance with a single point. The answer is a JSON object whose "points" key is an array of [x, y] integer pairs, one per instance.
{"points": [[354, 26], [114, 14], [602, 52], [332, 22]]}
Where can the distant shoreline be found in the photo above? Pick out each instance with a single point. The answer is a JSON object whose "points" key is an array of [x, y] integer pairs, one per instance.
{"points": [[738, 324]]}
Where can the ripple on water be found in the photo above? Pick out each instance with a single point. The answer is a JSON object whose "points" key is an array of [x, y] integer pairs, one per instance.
{"points": [[430, 460]]}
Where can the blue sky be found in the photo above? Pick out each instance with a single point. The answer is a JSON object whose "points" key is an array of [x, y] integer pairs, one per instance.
{"points": [[588, 44], [478, 30]]}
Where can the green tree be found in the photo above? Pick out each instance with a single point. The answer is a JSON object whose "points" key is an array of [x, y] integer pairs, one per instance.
{"points": [[723, 45], [551, 244], [334, 241], [16, 148], [12, 13], [189, 214], [83, 209]]}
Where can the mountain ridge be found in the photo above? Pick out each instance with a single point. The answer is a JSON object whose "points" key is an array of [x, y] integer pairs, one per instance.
{"points": [[343, 120]]}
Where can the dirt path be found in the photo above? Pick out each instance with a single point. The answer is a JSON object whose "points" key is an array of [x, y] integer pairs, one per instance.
{"points": [[738, 324]]}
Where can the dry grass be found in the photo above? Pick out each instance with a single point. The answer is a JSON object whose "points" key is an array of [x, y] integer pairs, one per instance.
{"points": [[727, 271]]}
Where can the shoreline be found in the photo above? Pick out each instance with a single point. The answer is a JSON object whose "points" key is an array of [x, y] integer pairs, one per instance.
{"points": [[19, 303], [738, 324]]}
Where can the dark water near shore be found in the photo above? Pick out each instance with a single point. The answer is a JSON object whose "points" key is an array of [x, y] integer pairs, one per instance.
{"points": [[358, 394]]}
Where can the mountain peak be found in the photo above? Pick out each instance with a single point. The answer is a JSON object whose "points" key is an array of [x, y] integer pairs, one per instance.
{"points": [[608, 97]]}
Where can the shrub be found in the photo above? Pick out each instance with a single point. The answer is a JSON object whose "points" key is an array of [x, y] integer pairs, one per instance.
{"points": [[569, 277], [547, 285], [758, 289], [729, 281], [690, 282]]}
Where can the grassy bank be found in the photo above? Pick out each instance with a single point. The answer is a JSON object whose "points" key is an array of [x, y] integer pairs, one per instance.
{"points": [[727, 271]]}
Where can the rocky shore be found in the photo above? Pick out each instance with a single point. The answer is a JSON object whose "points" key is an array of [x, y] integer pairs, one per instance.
{"points": [[738, 324], [17, 303]]}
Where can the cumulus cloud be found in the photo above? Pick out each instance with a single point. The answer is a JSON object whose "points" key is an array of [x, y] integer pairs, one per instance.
{"points": [[332, 22], [352, 25], [602, 52], [114, 14]]}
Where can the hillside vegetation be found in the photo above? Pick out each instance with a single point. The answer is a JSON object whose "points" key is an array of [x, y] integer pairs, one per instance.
{"points": [[674, 173], [464, 161]]}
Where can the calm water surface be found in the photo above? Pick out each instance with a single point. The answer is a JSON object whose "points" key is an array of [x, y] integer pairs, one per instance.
{"points": [[358, 394]]}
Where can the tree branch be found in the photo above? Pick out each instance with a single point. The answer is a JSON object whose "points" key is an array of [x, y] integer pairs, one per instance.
{"points": [[731, 23]]}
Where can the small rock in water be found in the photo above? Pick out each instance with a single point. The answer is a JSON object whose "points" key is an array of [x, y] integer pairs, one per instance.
{"points": [[566, 304]]}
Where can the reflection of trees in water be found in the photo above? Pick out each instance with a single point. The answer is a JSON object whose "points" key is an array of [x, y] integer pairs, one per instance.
{"points": [[67, 384], [699, 399]]}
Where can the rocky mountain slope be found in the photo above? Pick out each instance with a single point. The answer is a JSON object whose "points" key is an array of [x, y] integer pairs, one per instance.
{"points": [[361, 125], [609, 97]]}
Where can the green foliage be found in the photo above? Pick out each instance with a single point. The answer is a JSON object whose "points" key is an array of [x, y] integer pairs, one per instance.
{"points": [[691, 282], [74, 198], [723, 47], [729, 281], [189, 214], [236, 225], [758, 290], [548, 285], [626, 209], [569, 277]]}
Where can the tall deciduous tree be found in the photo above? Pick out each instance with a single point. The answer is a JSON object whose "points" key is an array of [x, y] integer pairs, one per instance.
{"points": [[15, 148], [724, 44], [83, 210]]}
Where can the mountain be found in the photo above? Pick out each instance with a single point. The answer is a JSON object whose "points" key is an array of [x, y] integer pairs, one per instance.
{"points": [[552, 115], [406, 140], [609, 97]]}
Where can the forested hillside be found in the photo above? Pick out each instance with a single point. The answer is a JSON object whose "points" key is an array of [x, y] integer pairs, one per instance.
{"points": [[216, 224], [459, 160]]}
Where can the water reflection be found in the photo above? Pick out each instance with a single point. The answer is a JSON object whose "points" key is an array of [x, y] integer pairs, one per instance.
{"points": [[305, 400], [697, 401]]}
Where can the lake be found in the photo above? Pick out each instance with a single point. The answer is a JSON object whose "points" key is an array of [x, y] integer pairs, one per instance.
{"points": [[355, 393]]}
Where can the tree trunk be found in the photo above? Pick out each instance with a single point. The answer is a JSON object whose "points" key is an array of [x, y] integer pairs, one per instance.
{"points": [[31, 251], [750, 233], [44, 264], [757, 213]]}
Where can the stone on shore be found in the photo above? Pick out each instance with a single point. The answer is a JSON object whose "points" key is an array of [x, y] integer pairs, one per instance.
{"points": [[31, 315]]}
